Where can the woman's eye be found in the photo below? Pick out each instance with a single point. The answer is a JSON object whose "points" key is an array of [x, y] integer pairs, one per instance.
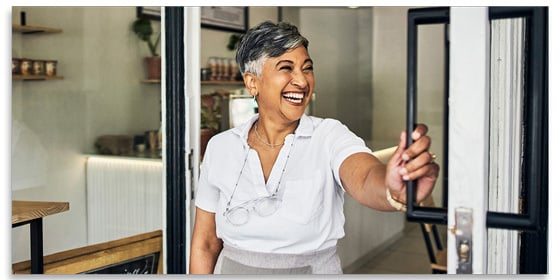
{"points": [[288, 68], [308, 69]]}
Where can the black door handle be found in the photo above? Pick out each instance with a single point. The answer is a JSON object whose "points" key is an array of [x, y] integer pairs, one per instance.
{"points": [[535, 170], [416, 17]]}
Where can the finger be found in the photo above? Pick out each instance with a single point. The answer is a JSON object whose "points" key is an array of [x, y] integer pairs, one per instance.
{"points": [[419, 146], [423, 159], [431, 170], [420, 130], [395, 159]]}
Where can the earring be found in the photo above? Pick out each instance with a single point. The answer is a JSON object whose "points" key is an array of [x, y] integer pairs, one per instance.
{"points": [[255, 98]]}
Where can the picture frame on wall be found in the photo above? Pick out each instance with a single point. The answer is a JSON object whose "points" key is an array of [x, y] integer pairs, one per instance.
{"points": [[153, 13], [231, 19]]}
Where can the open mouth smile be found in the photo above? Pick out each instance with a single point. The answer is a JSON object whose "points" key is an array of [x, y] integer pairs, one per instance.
{"points": [[294, 97]]}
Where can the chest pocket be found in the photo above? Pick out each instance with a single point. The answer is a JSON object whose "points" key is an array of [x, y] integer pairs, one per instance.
{"points": [[303, 199]]}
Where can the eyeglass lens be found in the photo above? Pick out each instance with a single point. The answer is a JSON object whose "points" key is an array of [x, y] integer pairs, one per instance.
{"points": [[263, 207]]}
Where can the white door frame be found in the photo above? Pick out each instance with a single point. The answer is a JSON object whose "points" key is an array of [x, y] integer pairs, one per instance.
{"points": [[469, 88], [192, 114]]}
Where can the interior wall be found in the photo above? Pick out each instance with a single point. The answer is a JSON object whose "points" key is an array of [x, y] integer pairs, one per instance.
{"points": [[101, 61], [341, 64], [343, 70], [389, 80]]}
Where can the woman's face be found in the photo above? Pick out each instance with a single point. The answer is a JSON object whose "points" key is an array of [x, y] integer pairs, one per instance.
{"points": [[286, 85]]}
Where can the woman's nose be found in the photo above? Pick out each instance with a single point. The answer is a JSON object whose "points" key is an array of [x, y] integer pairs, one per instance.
{"points": [[298, 79]]}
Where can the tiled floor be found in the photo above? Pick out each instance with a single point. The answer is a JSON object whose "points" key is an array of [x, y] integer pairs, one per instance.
{"points": [[408, 255]]}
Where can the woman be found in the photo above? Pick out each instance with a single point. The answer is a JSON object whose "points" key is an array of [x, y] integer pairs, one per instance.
{"points": [[270, 197]]}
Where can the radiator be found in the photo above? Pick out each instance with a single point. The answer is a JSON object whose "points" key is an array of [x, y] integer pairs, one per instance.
{"points": [[124, 197]]}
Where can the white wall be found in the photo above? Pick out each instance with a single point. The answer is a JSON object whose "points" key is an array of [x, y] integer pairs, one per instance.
{"points": [[343, 72], [342, 64], [101, 61], [389, 80]]}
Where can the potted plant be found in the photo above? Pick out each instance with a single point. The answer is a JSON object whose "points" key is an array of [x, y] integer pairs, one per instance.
{"points": [[209, 119], [143, 29]]}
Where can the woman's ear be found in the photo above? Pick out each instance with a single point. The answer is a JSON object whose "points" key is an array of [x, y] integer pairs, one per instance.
{"points": [[250, 80]]}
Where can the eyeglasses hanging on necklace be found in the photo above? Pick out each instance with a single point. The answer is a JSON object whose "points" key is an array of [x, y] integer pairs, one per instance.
{"points": [[262, 206]]}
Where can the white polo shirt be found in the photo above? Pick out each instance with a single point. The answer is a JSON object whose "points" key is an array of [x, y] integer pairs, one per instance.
{"points": [[310, 217]]}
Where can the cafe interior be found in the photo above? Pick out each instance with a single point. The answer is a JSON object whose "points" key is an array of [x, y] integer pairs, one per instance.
{"points": [[88, 184]]}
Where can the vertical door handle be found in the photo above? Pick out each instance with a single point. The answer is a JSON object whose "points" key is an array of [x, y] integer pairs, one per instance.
{"points": [[416, 17]]}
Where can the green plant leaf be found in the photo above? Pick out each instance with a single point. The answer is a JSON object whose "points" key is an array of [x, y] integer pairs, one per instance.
{"points": [[143, 29]]}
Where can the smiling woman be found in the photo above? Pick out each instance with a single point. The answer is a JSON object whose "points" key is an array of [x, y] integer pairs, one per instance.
{"points": [[271, 191]]}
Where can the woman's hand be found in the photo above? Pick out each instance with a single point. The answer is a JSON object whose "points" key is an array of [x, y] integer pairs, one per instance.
{"points": [[413, 163]]}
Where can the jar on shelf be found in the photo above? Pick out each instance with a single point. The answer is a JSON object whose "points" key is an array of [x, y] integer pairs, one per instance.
{"points": [[225, 68], [233, 69], [16, 66], [38, 67], [213, 65], [50, 67], [26, 66], [205, 74]]}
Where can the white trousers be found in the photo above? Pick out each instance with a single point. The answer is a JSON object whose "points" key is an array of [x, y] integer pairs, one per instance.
{"points": [[236, 261]]}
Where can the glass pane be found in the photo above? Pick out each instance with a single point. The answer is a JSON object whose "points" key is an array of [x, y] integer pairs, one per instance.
{"points": [[86, 123], [431, 94]]}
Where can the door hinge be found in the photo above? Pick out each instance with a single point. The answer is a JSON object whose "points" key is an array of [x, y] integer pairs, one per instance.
{"points": [[463, 239], [190, 167]]}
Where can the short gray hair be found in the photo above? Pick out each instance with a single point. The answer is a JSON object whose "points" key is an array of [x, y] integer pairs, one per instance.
{"points": [[264, 41]]}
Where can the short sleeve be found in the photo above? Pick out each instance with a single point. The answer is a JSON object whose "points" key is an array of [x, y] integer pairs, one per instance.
{"points": [[342, 144], [207, 195]]}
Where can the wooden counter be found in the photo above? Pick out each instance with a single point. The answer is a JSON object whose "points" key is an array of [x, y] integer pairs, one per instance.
{"points": [[32, 213], [24, 211]]}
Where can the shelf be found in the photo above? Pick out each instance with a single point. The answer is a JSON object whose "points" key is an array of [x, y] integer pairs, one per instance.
{"points": [[218, 83], [151, 81], [29, 29], [222, 83], [35, 77]]}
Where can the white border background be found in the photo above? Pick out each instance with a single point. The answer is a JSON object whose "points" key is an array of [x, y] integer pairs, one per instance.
{"points": [[6, 85]]}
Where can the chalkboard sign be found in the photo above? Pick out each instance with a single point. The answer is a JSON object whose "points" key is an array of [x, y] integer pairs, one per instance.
{"points": [[138, 254], [143, 265]]}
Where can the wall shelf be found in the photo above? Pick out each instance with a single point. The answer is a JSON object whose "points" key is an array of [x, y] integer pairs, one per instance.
{"points": [[30, 29], [218, 83], [151, 81], [223, 83], [35, 78]]}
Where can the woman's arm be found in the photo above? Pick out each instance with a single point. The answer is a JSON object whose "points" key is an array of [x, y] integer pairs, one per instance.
{"points": [[363, 177], [366, 179], [205, 245]]}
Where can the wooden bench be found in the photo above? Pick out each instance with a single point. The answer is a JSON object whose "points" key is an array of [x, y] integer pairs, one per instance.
{"points": [[138, 254]]}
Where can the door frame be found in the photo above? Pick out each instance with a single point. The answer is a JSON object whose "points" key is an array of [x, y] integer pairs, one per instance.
{"points": [[469, 111], [176, 140]]}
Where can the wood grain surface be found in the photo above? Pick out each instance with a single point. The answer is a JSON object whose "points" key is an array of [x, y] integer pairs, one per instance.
{"points": [[91, 257], [23, 211]]}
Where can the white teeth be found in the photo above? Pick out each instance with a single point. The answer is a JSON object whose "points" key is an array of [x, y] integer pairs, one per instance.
{"points": [[293, 95]]}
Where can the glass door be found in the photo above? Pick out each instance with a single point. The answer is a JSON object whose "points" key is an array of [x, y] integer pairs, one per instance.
{"points": [[497, 89]]}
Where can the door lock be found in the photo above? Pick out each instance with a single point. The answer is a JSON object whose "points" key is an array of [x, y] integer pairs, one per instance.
{"points": [[463, 239]]}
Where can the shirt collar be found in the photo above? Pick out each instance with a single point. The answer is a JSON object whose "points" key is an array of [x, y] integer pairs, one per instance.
{"points": [[305, 127]]}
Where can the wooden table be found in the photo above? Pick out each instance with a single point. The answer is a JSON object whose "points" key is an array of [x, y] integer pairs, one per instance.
{"points": [[32, 213]]}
